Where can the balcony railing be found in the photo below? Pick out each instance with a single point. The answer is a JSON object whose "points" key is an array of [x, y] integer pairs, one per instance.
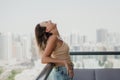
{"points": [[96, 59], [95, 53]]}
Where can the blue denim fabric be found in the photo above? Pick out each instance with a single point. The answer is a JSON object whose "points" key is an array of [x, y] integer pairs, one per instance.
{"points": [[59, 73]]}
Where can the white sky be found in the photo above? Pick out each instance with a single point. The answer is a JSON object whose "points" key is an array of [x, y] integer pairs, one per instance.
{"points": [[83, 16]]}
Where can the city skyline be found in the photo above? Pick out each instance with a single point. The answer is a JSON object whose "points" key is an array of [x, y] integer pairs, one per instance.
{"points": [[22, 48], [77, 16], [20, 53]]}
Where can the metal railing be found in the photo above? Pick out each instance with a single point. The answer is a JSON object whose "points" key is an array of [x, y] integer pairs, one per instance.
{"points": [[95, 53], [96, 59]]}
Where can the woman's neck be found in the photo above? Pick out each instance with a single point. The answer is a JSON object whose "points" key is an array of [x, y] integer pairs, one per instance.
{"points": [[55, 32]]}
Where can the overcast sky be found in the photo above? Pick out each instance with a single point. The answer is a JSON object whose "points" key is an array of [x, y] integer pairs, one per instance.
{"points": [[83, 16]]}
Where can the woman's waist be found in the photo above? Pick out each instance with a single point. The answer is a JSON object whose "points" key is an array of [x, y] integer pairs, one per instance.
{"points": [[60, 64]]}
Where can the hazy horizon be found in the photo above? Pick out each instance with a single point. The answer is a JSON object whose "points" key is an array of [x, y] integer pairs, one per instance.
{"points": [[78, 16]]}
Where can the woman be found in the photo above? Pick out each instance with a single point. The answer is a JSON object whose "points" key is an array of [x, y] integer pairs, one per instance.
{"points": [[54, 49]]}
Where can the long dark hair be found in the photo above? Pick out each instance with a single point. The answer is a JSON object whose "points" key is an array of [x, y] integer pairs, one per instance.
{"points": [[41, 36]]}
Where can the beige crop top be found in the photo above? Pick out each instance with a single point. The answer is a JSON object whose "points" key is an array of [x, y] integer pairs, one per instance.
{"points": [[62, 52]]}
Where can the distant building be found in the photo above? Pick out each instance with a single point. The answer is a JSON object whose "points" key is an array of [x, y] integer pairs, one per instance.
{"points": [[101, 35], [76, 41], [21, 48], [34, 54], [5, 46], [113, 39]]}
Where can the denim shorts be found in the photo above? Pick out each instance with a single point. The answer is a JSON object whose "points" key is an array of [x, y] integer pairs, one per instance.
{"points": [[59, 73]]}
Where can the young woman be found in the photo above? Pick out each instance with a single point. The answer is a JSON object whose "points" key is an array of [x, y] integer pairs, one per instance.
{"points": [[54, 49]]}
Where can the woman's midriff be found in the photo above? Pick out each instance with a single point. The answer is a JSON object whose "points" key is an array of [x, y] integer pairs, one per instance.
{"points": [[58, 64]]}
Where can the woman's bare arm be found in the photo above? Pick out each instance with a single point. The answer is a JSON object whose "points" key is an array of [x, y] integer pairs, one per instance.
{"points": [[51, 44]]}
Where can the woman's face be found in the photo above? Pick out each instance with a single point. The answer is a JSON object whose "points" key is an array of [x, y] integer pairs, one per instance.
{"points": [[48, 24]]}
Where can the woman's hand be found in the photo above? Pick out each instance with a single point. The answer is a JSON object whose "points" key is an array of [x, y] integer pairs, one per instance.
{"points": [[50, 26], [71, 73], [69, 68]]}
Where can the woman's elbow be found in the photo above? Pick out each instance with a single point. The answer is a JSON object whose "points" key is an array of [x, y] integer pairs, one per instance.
{"points": [[43, 60]]}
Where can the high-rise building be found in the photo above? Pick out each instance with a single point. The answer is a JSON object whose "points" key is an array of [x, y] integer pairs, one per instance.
{"points": [[1, 47], [34, 54], [101, 35], [24, 44], [74, 39], [5, 46], [22, 48]]}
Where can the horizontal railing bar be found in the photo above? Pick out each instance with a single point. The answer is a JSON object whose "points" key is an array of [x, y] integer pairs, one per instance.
{"points": [[95, 53]]}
